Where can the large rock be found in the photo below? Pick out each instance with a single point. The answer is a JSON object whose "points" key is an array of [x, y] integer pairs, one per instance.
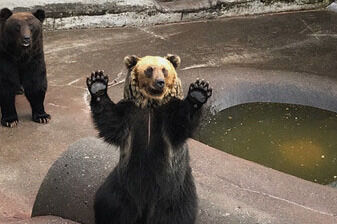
{"points": [[70, 184]]}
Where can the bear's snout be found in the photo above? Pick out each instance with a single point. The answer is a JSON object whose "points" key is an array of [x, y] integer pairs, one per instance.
{"points": [[160, 83], [26, 35], [26, 41]]}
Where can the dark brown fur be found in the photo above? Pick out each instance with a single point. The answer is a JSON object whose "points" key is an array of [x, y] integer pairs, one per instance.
{"points": [[22, 64]]}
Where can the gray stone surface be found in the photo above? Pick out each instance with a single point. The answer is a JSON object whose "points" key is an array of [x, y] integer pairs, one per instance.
{"points": [[43, 220], [294, 88], [332, 7], [231, 190], [70, 184], [333, 184], [66, 14], [32, 3], [225, 6]]}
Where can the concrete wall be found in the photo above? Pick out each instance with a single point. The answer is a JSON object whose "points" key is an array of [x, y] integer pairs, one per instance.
{"points": [[67, 14], [31, 3]]}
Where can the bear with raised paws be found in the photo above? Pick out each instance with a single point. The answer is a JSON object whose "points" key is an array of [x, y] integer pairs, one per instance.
{"points": [[153, 182]]}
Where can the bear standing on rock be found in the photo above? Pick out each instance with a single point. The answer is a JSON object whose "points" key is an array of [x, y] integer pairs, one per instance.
{"points": [[153, 182], [22, 64]]}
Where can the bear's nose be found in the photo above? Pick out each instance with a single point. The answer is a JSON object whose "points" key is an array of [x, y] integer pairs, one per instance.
{"points": [[26, 38], [160, 83]]}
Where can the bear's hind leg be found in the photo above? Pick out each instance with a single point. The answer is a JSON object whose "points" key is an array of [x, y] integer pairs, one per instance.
{"points": [[34, 82], [113, 206], [7, 104], [179, 213], [182, 209], [36, 100]]}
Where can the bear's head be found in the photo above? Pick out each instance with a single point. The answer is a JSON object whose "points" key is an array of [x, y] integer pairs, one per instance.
{"points": [[152, 80], [21, 31]]}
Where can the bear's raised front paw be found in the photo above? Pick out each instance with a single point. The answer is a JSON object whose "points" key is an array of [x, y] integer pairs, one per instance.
{"points": [[41, 118], [199, 92], [10, 122], [97, 83]]}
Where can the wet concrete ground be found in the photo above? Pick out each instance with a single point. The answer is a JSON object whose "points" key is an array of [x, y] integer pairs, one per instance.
{"points": [[304, 42]]}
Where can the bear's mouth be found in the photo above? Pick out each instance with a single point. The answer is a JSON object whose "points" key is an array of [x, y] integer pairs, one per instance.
{"points": [[155, 92], [25, 43]]}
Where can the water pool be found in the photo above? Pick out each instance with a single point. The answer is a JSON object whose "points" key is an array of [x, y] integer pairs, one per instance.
{"points": [[298, 140]]}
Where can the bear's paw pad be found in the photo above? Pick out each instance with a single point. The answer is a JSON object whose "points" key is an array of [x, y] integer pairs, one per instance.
{"points": [[97, 83], [200, 91]]}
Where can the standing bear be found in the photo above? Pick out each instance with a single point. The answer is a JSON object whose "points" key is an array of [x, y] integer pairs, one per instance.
{"points": [[153, 182], [22, 64]]}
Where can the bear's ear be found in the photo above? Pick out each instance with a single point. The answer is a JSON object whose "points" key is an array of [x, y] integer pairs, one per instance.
{"points": [[5, 13], [130, 61], [174, 59], [40, 14]]}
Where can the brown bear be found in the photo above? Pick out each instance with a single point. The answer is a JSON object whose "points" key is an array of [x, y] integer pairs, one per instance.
{"points": [[153, 182], [22, 64]]}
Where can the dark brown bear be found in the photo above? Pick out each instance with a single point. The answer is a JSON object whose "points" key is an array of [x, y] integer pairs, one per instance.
{"points": [[22, 64], [153, 182]]}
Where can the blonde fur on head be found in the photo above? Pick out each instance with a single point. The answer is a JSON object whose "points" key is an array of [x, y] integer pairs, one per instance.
{"points": [[135, 81]]}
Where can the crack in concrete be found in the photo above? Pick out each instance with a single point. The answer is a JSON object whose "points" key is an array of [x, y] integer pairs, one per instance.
{"points": [[276, 198], [309, 28], [263, 55], [153, 34], [206, 65], [66, 85], [115, 83], [324, 35], [86, 101], [56, 105], [74, 81]]}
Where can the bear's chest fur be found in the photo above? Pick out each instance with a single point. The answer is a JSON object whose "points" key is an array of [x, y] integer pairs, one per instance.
{"points": [[148, 161]]}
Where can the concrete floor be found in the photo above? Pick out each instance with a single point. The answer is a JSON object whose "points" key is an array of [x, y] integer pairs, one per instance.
{"points": [[291, 43]]}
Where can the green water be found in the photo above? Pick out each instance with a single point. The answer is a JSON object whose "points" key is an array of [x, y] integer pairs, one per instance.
{"points": [[294, 139]]}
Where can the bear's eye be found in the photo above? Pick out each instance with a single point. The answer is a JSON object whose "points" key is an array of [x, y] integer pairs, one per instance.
{"points": [[17, 28], [148, 72], [165, 72], [31, 27]]}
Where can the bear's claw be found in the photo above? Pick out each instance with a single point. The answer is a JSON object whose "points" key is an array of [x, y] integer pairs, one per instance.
{"points": [[97, 83], [199, 91], [10, 123], [41, 118]]}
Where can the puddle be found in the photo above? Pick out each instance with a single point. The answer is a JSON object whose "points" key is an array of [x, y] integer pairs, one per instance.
{"points": [[298, 140]]}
